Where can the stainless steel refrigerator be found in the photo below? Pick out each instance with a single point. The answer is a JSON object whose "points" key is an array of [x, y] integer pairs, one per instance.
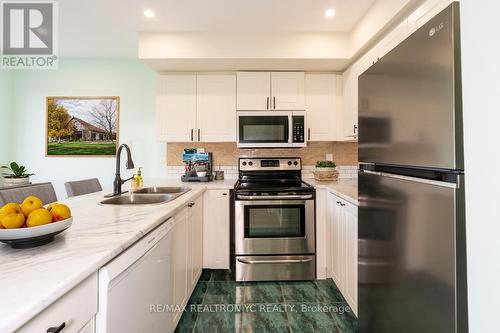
{"points": [[412, 261]]}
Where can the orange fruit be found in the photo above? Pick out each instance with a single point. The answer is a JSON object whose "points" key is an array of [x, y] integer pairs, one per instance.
{"points": [[39, 217]]}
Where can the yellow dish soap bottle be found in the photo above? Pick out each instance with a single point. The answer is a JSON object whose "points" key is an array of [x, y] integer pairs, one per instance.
{"points": [[139, 181]]}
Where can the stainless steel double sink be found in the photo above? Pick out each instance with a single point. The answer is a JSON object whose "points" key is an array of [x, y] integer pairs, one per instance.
{"points": [[148, 196]]}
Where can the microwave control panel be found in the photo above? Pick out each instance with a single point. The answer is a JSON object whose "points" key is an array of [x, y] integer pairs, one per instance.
{"points": [[298, 125]]}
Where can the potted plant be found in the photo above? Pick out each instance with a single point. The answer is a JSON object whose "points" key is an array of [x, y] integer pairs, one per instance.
{"points": [[16, 175], [326, 170]]}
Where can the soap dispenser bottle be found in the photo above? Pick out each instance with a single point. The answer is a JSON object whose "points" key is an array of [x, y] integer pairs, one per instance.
{"points": [[138, 178]]}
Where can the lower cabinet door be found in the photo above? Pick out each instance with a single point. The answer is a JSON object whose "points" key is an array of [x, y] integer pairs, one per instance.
{"points": [[195, 241], [89, 328], [351, 256], [73, 309], [180, 262], [216, 229]]}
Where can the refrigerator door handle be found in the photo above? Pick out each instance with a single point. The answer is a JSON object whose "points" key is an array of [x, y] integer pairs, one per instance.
{"points": [[413, 179]]}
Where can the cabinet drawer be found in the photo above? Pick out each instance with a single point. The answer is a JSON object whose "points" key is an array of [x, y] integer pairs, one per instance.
{"points": [[76, 308]]}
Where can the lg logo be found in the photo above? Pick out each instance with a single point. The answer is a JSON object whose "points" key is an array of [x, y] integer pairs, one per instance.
{"points": [[434, 30], [28, 28]]}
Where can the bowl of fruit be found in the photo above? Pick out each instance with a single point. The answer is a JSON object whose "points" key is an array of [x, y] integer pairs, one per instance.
{"points": [[30, 224]]}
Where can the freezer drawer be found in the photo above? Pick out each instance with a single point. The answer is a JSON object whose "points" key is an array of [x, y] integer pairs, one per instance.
{"points": [[412, 263], [275, 268]]}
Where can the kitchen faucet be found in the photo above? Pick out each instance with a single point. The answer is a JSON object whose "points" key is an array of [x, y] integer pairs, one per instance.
{"points": [[117, 184]]}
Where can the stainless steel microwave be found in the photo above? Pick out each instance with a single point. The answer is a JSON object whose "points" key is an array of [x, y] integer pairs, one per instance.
{"points": [[275, 129]]}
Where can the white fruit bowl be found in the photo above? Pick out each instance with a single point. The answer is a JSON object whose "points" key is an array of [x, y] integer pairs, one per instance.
{"points": [[34, 236]]}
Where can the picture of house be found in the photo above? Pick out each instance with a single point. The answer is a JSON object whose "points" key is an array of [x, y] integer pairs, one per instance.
{"points": [[82, 126], [83, 131]]}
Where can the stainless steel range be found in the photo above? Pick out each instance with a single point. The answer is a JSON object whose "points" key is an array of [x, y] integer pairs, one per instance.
{"points": [[275, 221]]}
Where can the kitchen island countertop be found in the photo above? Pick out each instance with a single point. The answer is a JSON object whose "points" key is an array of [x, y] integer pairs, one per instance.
{"points": [[32, 279]]}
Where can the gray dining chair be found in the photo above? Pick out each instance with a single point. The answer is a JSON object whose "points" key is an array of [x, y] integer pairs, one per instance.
{"points": [[44, 191], [81, 187]]}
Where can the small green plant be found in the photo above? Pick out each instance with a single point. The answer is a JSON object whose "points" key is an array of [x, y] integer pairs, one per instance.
{"points": [[325, 164], [16, 171]]}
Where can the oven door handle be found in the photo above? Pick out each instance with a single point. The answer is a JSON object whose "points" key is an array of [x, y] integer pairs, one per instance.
{"points": [[277, 197], [281, 261]]}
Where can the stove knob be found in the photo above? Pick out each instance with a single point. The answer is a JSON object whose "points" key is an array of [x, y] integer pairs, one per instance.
{"points": [[295, 163], [250, 163], [289, 162], [244, 163]]}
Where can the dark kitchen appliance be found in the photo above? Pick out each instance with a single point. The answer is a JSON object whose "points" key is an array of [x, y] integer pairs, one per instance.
{"points": [[412, 259], [274, 221], [276, 129]]}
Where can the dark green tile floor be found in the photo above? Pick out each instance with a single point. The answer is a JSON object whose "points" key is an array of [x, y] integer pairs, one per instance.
{"points": [[219, 305]]}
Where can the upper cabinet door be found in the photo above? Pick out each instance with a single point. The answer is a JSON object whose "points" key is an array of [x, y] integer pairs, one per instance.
{"points": [[254, 91], [323, 102], [350, 94], [287, 91], [176, 108], [216, 108]]}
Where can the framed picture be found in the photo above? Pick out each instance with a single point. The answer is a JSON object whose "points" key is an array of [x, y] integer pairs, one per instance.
{"points": [[82, 126]]}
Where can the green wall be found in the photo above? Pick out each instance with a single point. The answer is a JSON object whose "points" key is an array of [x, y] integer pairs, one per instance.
{"points": [[6, 116], [130, 79]]}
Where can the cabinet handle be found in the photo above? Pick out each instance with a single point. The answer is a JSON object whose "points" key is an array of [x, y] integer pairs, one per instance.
{"points": [[339, 202], [192, 134], [199, 134], [224, 193], [267, 103], [355, 128], [342, 204], [274, 103], [191, 204], [309, 134], [56, 329]]}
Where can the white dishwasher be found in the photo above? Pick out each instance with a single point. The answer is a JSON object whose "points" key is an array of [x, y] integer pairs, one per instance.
{"points": [[135, 282]]}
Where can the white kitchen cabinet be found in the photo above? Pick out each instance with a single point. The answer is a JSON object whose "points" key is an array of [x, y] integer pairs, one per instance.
{"points": [[425, 12], [391, 40], [342, 258], [253, 91], [216, 106], [282, 91], [76, 308], [179, 270], [323, 103], [195, 234], [216, 229], [287, 91], [350, 105], [176, 108], [196, 108], [350, 219], [89, 327]]}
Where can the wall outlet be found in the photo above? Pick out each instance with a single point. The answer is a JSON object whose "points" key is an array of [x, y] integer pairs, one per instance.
{"points": [[329, 157]]}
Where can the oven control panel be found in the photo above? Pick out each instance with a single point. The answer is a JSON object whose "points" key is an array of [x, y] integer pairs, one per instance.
{"points": [[262, 164]]}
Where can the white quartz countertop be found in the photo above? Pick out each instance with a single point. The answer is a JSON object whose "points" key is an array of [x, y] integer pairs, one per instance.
{"points": [[32, 279], [347, 189]]}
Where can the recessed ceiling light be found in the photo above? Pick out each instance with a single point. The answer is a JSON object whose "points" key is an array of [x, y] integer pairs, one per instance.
{"points": [[149, 13], [330, 12]]}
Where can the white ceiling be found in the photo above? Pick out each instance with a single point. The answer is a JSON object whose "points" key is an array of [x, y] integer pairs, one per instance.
{"points": [[108, 28]]}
